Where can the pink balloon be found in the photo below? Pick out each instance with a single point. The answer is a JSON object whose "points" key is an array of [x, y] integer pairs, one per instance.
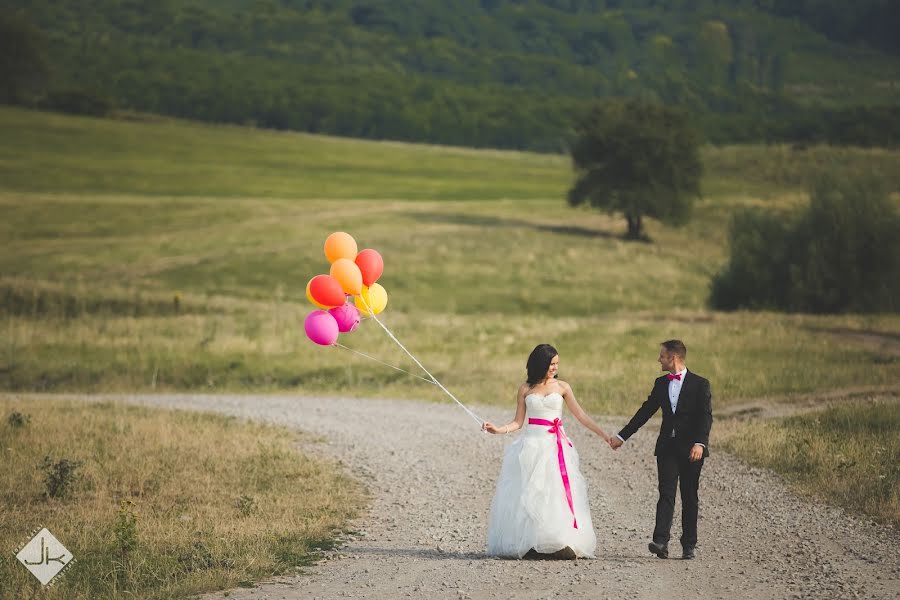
{"points": [[321, 328], [347, 317]]}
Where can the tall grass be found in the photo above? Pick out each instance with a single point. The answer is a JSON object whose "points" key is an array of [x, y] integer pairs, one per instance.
{"points": [[161, 504], [847, 454]]}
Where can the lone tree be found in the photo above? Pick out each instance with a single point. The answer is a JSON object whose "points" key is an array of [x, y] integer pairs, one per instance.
{"points": [[638, 159]]}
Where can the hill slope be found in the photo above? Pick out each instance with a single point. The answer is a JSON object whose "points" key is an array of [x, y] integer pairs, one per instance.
{"points": [[490, 73]]}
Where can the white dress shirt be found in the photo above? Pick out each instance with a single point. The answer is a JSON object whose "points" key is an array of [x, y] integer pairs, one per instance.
{"points": [[675, 389]]}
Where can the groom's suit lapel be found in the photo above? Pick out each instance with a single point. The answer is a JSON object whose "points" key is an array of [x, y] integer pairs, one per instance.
{"points": [[664, 396], [683, 392]]}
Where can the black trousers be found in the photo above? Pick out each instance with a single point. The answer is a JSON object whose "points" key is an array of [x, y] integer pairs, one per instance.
{"points": [[673, 467]]}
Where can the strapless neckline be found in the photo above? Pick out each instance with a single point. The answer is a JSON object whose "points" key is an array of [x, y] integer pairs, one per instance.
{"points": [[544, 395]]}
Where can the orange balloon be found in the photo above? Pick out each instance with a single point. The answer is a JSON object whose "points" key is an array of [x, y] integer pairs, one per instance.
{"points": [[348, 275], [340, 245]]}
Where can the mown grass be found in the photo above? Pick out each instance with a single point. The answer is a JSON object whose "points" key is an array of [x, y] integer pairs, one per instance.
{"points": [[164, 504], [847, 454], [158, 156]]}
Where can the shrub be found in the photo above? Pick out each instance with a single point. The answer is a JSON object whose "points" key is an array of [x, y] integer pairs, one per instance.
{"points": [[17, 419], [59, 475], [754, 277], [843, 254]]}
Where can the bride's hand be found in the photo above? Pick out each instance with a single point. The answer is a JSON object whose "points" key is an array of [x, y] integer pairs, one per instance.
{"points": [[489, 427]]}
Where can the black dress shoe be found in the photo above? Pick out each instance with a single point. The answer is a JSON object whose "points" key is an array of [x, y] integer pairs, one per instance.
{"points": [[688, 553], [660, 550]]}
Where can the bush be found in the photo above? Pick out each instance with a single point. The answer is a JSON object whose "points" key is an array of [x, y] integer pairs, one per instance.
{"points": [[17, 419], [59, 476], [754, 278], [843, 254]]}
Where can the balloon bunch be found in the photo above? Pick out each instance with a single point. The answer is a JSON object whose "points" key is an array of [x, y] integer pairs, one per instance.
{"points": [[353, 275], [346, 293]]}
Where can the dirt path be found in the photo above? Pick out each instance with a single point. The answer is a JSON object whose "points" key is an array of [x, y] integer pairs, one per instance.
{"points": [[774, 407], [432, 473]]}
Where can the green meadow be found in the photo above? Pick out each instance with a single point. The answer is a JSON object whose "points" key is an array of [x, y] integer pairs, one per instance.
{"points": [[151, 254]]}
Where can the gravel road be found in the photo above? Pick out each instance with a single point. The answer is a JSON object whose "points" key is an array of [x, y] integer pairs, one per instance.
{"points": [[432, 473]]}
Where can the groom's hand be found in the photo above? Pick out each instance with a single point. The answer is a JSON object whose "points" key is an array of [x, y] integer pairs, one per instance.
{"points": [[696, 453], [614, 442]]}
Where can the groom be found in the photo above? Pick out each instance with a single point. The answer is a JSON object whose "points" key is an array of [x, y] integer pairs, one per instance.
{"points": [[686, 402]]}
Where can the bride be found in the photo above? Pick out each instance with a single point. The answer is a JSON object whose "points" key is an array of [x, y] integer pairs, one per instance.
{"points": [[541, 503]]}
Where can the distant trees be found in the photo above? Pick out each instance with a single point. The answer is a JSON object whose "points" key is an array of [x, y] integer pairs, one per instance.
{"points": [[499, 73], [23, 62], [842, 254], [873, 22], [637, 159], [76, 101]]}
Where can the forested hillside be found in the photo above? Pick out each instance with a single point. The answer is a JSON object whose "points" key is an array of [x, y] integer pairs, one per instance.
{"points": [[500, 73]]}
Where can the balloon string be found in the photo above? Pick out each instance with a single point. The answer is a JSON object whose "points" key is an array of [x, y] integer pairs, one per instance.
{"points": [[478, 419], [382, 362]]}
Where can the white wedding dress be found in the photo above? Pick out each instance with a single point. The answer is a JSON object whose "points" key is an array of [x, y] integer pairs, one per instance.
{"points": [[531, 507]]}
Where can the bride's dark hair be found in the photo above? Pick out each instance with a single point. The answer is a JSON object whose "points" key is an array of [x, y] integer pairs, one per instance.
{"points": [[539, 363]]}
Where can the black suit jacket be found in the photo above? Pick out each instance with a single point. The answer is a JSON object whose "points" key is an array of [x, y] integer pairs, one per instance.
{"points": [[691, 421]]}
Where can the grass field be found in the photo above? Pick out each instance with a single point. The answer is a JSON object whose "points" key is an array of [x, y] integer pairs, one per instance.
{"points": [[164, 255], [160, 504], [850, 454]]}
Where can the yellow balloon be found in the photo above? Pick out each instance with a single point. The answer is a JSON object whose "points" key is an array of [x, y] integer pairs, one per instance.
{"points": [[313, 300], [348, 275], [340, 245], [375, 296]]}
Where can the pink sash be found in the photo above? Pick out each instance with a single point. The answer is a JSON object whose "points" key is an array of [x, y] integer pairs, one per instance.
{"points": [[556, 428]]}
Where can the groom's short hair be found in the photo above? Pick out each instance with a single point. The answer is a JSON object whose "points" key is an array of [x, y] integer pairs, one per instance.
{"points": [[675, 347]]}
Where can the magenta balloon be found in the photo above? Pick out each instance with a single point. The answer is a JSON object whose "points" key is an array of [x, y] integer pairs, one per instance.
{"points": [[347, 317], [321, 328]]}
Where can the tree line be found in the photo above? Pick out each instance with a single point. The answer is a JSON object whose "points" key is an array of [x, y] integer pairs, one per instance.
{"points": [[481, 73]]}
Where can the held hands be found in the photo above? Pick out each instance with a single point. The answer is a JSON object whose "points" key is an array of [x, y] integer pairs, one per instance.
{"points": [[614, 442]]}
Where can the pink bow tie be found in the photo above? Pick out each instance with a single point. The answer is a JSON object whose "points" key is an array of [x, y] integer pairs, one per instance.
{"points": [[670, 377]]}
